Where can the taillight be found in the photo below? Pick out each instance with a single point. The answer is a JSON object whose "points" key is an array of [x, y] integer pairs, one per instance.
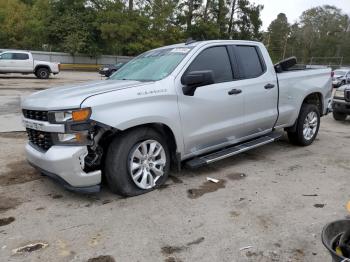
{"points": [[332, 73]]}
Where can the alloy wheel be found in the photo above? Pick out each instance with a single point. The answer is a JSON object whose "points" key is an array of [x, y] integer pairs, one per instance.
{"points": [[310, 125], [146, 163]]}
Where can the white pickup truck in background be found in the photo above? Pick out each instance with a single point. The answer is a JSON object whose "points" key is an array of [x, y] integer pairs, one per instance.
{"points": [[23, 62]]}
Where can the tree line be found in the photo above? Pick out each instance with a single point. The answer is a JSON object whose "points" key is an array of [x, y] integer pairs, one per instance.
{"points": [[321, 36], [129, 27], [122, 27]]}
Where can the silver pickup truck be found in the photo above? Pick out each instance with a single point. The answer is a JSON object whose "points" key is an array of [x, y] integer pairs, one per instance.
{"points": [[192, 103]]}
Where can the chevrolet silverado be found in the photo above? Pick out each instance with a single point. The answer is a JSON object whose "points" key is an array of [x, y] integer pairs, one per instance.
{"points": [[192, 103]]}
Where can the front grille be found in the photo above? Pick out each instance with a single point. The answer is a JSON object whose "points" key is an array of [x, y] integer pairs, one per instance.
{"points": [[347, 95], [39, 138], [35, 115]]}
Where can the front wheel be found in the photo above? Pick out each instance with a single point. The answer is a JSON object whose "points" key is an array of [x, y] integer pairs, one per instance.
{"points": [[137, 162], [339, 116], [307, 127]]}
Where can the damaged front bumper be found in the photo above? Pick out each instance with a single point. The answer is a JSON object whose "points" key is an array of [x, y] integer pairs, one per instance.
{"points": [[65, 164]]}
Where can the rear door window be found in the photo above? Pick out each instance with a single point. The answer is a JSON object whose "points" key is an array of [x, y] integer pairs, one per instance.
{"points": [[215, 59], [20, 56], [251, 64]]}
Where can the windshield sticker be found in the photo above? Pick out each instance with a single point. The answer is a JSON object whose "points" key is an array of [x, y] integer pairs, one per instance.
{"points": [[180, 50]]}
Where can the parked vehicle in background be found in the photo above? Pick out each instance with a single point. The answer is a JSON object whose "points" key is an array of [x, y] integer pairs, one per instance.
{"points": [[341, 77], [341, 103], [108, 70], [197, 102], [23, 62]]}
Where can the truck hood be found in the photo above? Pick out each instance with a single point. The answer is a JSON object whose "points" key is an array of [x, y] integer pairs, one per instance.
{"points": [[71, 96]]}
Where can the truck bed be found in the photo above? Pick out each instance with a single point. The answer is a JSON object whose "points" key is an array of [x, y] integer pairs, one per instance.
{"points": [[293, 84]]}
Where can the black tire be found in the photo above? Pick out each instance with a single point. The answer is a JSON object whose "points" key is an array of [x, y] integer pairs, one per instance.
{"points": [[339, 116], [342, 83], [42, 73], [297, 137], [117, 161]]}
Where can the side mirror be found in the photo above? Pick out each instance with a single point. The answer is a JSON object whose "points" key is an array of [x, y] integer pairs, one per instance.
{"points": [[194, 79]]}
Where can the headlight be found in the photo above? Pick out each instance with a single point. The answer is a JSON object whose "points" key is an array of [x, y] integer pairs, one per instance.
{"points": [[72, 138], [339, 93], [78, 115], [67, 137], [77, 126], [62, 116]]}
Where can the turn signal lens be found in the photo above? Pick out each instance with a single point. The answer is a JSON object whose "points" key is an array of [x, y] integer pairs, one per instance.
{"points": [[81, 115]]}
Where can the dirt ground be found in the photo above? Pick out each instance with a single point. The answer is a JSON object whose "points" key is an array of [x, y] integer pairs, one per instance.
{"points": [[274, 200]]}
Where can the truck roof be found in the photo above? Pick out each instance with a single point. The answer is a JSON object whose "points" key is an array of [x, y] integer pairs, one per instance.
{"points": [[16, 51], [200, 43]]}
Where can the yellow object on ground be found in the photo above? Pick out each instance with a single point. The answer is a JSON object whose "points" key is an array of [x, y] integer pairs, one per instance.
{"points": [[338, 251], [80, 67]]}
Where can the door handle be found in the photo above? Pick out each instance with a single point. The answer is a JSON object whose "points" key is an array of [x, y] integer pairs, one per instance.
{"points": [[234, 91], [269, 86]]}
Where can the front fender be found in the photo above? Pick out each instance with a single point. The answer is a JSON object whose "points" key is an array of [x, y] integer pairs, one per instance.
{"points": [[156, 119], [124, 109]]}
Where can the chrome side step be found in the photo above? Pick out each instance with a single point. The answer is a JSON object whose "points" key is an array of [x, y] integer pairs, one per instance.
{"points": [[234, 150]]}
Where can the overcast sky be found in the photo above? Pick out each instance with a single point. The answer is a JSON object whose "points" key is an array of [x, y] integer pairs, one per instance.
{"points": [[294, 8]]}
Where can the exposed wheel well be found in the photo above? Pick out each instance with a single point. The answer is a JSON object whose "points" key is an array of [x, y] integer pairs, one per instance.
{"points": [[315, 99], [159, 127], [312, 99]]}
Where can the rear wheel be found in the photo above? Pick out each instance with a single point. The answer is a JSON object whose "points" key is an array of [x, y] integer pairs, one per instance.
{"points": [[307, 127], [42, 73], [339, 116], [137, 162]]}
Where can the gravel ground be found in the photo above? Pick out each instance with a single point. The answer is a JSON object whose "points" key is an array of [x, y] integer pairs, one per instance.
{"points": [[275, 199]]}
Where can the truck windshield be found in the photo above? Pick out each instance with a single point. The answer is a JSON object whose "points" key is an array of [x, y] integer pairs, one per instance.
{"points": [[153, 65]]}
